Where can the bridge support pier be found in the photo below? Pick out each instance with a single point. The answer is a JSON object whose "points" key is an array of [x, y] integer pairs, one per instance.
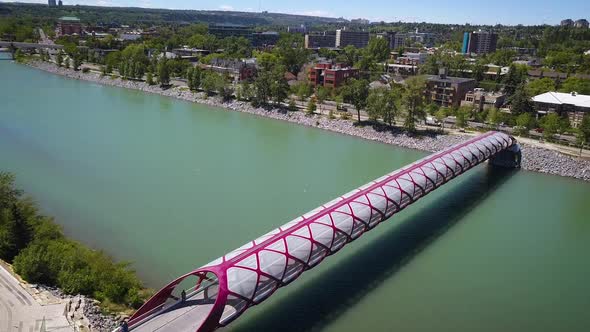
{"points": [[509, 158]]}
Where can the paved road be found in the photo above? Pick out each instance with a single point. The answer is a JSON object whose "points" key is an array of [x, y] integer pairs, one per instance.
{"points": [[20, 312]]}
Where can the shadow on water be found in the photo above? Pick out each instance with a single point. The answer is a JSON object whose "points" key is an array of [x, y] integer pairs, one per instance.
{"points": [[323, 299]]}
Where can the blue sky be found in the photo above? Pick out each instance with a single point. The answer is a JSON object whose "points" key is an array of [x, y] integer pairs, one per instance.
{"points": [[456, 11]]}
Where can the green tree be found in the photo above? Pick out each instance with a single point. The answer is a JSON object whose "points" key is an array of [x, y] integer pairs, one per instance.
{"points": [[245, 91], [494, 117], [321, 95], [291, 52], [356, 92], [413, 101], [441, 115], [551, 124], [163, 72], [524, 123], [583, 132], [378, 49], [382, 103], [521, 101], [515, 77], [311, 106], [540, 86], [59, 58], [149, 79], [292, 105], [463, 114]]}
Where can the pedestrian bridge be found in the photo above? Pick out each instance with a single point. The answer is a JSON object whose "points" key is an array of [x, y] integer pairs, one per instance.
{"points": [[216, 294]]}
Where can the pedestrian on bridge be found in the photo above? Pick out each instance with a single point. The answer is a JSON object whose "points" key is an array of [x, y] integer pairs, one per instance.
{"points": [[183, 295]]}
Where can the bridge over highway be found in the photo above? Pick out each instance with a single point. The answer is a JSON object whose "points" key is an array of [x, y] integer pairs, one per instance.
{"points": [[216, 294]]}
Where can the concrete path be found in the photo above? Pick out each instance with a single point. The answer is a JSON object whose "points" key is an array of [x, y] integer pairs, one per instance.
{"points": [[20, 312]]}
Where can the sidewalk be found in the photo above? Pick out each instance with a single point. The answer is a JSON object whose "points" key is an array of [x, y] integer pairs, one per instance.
{"points": [[21, 311]]}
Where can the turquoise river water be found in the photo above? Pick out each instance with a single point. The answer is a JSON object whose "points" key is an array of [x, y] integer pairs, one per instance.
{"points": [[170, 185]]}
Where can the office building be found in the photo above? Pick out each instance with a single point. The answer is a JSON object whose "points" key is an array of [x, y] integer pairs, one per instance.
{"points": [[51, 3], [228, 30], [358, 39], [324, 40], [479, 42]]}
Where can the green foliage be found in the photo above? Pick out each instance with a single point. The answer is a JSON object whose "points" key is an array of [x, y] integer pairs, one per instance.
{"points": [[576, 84], [41, 254], [292, 105], [356, 92], [521, 101], [524, 123], [291, 52], [163, 72], [540, 86], [463, 114], [583, 131], [18, 29], [311, 106], [149, 78], [212, 82], [516, 76], [413, 101], [551, 125], [382, 103], [302, 89], [378, 49], [245, 91], [270, 84], [59, 58]]}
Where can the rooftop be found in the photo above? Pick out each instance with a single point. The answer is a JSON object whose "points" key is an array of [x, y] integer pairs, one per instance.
{"points": [[449, 79], [560, 98], [69, 19]]}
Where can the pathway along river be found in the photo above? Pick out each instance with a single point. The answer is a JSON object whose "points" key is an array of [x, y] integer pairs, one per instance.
{"points": [[171, 185]]}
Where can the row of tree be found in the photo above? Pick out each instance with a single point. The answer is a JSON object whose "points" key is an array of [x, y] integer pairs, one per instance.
{"points": [[41, 253]]}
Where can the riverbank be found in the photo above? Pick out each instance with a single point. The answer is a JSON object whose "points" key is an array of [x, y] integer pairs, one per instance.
{"points": [[534, 158]]}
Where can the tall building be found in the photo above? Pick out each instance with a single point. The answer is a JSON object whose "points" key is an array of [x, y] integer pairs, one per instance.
{"points": [[60, 3], [480, 42], [51, 3], [323, 40], [567, 23], [358, 39], [581, 23]]}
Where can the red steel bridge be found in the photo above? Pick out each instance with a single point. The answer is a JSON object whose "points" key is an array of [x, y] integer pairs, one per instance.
{"points": [[222, 290]]}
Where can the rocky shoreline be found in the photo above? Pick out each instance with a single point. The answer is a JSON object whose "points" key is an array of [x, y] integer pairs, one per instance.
{"points": [[534, 158]]}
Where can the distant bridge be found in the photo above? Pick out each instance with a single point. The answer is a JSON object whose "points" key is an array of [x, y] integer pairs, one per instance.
{"points": [[16, 45], [222, 290]]}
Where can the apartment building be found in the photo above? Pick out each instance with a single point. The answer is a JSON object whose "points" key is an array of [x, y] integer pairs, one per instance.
{"points": [[331, 76], [448, 91]]}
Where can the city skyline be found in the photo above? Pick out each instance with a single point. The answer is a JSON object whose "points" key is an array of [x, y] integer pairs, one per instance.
{"points": [[504, 12]]}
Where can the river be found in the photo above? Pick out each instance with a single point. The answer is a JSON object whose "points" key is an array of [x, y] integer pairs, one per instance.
{"points": [[170, 185]]}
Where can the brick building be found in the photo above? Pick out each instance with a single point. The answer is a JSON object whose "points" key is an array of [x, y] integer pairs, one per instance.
{"points": [[68, 25], [448, 91], [330, 76]]}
